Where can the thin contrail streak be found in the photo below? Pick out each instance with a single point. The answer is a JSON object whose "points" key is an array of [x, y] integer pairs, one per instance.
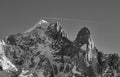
{"points": [[67, 19], [55, 18]]}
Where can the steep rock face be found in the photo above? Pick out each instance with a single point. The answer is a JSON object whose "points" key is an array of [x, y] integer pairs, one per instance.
{"points": [[45, 51]]}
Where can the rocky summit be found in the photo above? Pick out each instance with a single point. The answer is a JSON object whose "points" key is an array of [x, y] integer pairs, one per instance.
{"points": [[45, 51]]}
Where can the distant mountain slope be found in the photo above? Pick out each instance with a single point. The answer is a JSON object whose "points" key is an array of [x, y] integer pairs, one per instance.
{"points": [[45, 51]]}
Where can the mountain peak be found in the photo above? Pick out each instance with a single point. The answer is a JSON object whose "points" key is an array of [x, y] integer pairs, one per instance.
{"points": [[45, 50], [41, 24], [42, 21]]}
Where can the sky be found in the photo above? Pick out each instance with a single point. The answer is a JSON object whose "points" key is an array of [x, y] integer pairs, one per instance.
{"points": [[102, 17]]}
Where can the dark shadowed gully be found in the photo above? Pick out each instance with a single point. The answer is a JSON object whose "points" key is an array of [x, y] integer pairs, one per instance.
{"points": [[45, 51]]}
